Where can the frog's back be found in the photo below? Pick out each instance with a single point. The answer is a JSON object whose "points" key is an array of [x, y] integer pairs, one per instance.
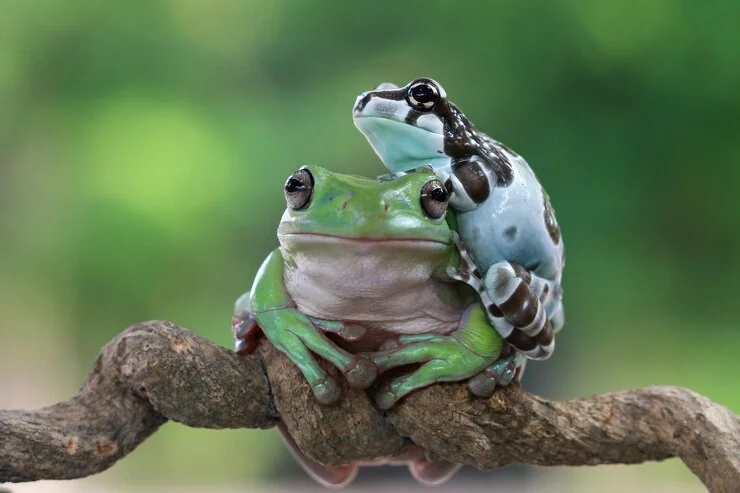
{"points": [[516, 222]]}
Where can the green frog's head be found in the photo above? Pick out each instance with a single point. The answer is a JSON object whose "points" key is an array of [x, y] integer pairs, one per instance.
{"points": [[406, 125], [323, 203], [338, 219]]}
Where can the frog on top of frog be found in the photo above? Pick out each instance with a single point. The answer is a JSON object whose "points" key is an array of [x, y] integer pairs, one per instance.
{"points": [[372, 275]]}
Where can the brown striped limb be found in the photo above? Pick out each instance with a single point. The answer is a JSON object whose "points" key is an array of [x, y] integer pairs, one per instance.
{"points": [[156, 371]]}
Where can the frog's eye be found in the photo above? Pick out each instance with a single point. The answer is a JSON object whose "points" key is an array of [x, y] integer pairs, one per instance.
{"points": [[422, 95], [434, 199], [298, 189]]}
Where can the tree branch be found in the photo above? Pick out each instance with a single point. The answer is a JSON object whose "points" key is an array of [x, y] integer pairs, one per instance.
{"points": [[155, 372]]}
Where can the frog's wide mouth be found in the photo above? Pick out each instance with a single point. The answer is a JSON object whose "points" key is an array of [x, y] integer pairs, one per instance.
{"points": [[364, 240], [390, 120]]}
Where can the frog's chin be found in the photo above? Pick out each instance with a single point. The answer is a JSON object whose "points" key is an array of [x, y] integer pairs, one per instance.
{"points": [[359, 267], [401, 146]]}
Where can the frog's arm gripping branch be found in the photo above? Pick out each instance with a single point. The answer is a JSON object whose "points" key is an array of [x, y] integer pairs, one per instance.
{"points": [[155, 372]]}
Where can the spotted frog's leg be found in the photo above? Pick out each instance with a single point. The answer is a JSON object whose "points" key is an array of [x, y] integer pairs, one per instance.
{"points": [[512, 306], [458, 356], [295, 335]]}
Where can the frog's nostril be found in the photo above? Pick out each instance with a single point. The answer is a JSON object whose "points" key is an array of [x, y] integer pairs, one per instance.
{"points": [[345, 204]]}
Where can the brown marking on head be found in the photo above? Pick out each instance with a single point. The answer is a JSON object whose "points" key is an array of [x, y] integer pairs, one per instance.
{"points": [[462, 140]]}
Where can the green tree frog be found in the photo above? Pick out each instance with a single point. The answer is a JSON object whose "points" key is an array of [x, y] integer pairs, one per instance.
{"points": [[365, 278], [503, 214]]}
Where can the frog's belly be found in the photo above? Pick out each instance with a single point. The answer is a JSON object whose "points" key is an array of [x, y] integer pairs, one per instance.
{"points": [[428, 307]]}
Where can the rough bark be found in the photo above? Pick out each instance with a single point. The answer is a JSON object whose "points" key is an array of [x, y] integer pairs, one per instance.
{"points": [[155, 372]]}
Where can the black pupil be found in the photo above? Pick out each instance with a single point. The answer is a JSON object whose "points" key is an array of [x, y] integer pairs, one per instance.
{"points": [[294, 185], [423, 93], [439, 194]]}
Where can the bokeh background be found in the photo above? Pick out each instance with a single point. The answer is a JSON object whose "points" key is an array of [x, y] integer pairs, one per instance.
{"points": [[144, 144]]}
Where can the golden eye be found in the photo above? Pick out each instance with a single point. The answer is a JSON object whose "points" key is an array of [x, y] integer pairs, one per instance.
{"points": [[422, 95], [434, 199], [298, 189]]}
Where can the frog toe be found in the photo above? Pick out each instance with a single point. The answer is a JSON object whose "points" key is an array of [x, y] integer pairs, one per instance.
{"points": [[499, 374], [482, 385], [390, 344], [361, 373], [327, 392], [385, 398]]}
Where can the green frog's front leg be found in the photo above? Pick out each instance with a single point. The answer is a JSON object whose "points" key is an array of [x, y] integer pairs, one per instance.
{"points": [[294, 334], [464, 353]]}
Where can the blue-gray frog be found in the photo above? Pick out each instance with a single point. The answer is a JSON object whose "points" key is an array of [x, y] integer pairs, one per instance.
{"points": [[503, 214]]}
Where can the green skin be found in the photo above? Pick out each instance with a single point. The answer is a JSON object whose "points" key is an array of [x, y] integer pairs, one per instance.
{"points": [[365, 250]]}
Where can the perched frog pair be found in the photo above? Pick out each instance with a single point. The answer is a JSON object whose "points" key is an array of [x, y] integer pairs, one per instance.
{"points": [[371, 274]]}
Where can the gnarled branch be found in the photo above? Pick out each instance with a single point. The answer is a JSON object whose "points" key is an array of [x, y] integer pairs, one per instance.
{"points": [[156, 371]]}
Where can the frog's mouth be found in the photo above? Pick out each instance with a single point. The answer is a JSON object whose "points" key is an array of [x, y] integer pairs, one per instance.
{"points": [[389, 123], [292, 237]]}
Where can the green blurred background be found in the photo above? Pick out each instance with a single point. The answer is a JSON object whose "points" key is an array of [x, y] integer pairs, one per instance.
{"points": [[144, 144]]}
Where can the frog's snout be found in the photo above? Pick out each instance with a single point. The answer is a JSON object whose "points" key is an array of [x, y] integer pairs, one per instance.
{"points": [[364, 98], [361, 102]]}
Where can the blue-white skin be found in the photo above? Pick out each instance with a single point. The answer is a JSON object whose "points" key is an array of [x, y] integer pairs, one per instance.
{"points": [[504, 216]]}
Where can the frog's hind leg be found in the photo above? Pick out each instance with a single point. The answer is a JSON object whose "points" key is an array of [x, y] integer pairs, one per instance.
{"points": [[458, 356]]}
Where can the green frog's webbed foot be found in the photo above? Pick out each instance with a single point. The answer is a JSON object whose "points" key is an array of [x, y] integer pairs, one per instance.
{"points": [[298, 337], [301, 340], [505, 370], [458, 356]]}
